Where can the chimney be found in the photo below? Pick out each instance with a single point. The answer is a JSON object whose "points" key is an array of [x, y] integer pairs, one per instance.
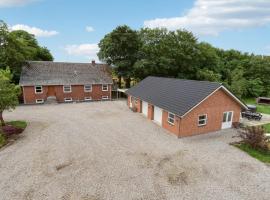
{"points": [[93, 62]]}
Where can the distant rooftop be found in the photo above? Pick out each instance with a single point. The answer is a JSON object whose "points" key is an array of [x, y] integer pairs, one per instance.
{"points": [[64, 73]]}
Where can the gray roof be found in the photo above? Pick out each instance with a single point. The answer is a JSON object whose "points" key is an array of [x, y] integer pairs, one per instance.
{"points": [[61, 73], [174, 95]]}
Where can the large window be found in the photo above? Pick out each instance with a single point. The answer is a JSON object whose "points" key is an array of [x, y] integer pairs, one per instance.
{"points": [[105, 87], [202, 120], [38, 89], [171, 118], [88, 88], [67, 88]]}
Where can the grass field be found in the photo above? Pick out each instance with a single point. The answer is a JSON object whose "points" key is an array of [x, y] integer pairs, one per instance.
{"points": [[260, 108], [260, 155]]}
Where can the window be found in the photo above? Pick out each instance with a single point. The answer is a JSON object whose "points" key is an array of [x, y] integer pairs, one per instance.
{"points": [[105, 97], [202, 120], [38, 89], [171, 118], [88, 88], [68, 99], [87, 98], [104, 87], [39, 101], [67, 88]]}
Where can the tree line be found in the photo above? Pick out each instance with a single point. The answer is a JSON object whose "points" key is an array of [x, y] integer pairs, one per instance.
{"points": [[136, 54], [19, 46]]}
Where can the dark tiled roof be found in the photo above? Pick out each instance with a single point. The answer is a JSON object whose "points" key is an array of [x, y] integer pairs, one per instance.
{"points": [[60, 73], [174, 95]]}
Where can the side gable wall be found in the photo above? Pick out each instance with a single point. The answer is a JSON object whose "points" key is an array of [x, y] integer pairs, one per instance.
{"points": [[214, 107]]}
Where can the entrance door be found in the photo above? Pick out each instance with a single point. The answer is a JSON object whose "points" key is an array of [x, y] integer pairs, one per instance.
{"points": [[227, 120], [51, 91], [144, 108], [157, 114]]}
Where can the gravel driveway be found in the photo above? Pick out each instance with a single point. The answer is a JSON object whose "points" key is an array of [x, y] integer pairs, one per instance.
{"points": [[101, 150]]}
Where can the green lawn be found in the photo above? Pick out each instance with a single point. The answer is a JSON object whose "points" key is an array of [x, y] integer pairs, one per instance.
{"points": [[260, 108], [260, 155], [18, 124], [267, 128]]}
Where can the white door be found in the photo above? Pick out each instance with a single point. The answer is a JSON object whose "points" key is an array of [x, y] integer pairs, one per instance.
{"points": [[157, 114], [227, 120], [144, 108]]}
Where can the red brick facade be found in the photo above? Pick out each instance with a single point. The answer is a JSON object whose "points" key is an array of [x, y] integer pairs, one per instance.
{"points": [[77, 93], [214, 107]]}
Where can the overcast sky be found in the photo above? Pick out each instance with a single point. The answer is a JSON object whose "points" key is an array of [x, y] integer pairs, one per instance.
{"points": [[71, 29]]}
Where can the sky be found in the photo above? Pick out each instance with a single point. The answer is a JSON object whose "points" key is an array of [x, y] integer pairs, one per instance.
{"points": [[72, 29]]}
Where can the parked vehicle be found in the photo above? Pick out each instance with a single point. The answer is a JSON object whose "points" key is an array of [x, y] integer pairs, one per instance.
{"points": [[252, 115]]}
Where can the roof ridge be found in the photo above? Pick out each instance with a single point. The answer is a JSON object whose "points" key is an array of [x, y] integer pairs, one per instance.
{"points": [[61, 62], [191, 80]]}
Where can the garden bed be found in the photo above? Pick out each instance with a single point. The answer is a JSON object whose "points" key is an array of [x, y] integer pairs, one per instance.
{"points": [[10, 131]]}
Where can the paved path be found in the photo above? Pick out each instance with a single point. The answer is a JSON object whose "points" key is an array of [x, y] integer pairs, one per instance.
{"points": [[101, 150]]}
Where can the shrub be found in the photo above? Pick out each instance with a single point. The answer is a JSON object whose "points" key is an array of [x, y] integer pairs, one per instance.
{"points": [[255, 137], [9, 130]]}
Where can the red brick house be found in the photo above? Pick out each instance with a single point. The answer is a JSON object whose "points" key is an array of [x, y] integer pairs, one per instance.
{"points": [[186, 107], [65, 82]]}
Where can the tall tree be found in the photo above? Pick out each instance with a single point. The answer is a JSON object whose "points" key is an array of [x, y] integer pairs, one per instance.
{"points": [[120, 49], [9, 93], [16, 47]]}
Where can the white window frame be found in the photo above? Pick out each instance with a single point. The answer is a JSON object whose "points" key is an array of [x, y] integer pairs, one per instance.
{"points": [[171, 118], [39, 101], [106, 86], [205, 120], [88, 90], [67, 86], [88, 98], [68, 99], [105, 97], [41, 88]]}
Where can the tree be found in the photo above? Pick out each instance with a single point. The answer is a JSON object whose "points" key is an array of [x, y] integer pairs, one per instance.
{"points": [[120, 49], [9, 93], [19, 46]]}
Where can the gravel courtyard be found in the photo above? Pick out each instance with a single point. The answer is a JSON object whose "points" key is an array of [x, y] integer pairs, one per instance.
{"points": [[101, 150]]}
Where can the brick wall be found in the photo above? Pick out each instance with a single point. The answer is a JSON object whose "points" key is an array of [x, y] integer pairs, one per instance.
{"points": [[214, 107], [77, 93]]}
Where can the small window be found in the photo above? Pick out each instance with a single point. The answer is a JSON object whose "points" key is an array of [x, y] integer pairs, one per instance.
{"points": [[104, 87], [88, 88], [171, 118], [67, 88], [202, 120], [38, 89], [39, 101], [87, 98], [68, 99], [105, 97]]}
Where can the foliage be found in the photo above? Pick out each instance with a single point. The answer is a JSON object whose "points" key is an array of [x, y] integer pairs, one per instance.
{"points": [[255, 137], [2, 139], [19, 46], [9, 93], [17, 124], [263, 156], [178, 54], [120, 48]]}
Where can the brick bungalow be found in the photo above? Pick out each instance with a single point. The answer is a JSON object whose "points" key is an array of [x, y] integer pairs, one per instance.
{"points": [[185, 107], [65, 82]]}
